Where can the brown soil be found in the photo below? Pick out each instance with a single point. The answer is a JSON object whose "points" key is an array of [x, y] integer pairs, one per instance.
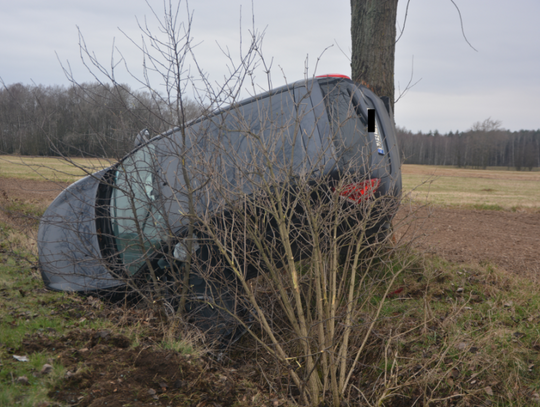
{"points": [[103, 370], [510, 240], [28, 191]]}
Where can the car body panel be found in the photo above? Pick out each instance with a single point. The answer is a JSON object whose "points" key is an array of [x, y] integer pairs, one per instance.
{"points": [[69, 251]]}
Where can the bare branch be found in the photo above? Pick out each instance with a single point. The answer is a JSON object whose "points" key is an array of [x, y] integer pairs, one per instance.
{"points": [[462, 29]]}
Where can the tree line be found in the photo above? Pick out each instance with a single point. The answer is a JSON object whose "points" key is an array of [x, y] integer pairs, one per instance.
{"points": [[486, 144], [91, 119], [99, 120]]}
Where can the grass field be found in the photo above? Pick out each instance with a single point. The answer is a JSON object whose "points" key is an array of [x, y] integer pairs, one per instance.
{"points": [[447, 334], [49, 168], [482, 189], [494, 188]]}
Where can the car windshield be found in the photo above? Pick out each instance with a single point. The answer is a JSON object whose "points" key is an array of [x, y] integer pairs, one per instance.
{"points": [[137, 216]]}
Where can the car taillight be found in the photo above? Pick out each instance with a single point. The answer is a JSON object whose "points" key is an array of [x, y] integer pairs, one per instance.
{"points": [[360, 191]]}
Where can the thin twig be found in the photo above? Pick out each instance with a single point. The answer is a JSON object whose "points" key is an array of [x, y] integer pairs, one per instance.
{"points": [[461, 22]]}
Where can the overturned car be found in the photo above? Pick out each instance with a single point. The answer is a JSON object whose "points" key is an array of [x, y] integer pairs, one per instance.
{"points": [[183, 197]]}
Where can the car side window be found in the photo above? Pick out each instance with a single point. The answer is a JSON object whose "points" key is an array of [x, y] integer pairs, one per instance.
{"points": [[135, 208]]}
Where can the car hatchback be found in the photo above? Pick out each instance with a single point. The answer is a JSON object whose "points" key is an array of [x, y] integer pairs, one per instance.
{"points": [[106, 228]]}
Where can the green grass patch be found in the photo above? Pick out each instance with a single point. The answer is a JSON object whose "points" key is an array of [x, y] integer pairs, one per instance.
{"points": [[27, 310], [487, 207], [18, 208], [179, 345]]}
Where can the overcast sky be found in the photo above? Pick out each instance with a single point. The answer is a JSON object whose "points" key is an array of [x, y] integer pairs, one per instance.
{"points": [[457, 86]]}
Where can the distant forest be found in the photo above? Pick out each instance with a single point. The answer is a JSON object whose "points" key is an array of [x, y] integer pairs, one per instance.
{"points": [[486, 144], [89, 119], [102, 120]]}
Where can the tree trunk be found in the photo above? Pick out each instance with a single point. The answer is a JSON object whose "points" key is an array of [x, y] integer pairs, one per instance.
{"points": [[373, 32]]}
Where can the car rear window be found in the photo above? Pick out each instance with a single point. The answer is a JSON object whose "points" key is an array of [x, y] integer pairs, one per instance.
{"points": [[348, 125]]}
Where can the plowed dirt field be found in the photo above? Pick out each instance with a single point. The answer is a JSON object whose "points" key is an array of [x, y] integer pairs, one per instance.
{"points": [[510, 240]]}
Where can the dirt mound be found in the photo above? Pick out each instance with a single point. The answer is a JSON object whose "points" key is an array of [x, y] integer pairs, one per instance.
{"points": [[103, 370], [83, 338]]}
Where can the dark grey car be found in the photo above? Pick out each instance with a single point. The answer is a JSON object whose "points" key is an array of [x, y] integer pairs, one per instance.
{"points": [[106, 227]]}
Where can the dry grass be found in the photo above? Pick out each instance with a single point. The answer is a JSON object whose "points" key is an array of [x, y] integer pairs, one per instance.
{"points": [[467, 187], [448, 335], [491, 188], [49, 168], [461, 335]]}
